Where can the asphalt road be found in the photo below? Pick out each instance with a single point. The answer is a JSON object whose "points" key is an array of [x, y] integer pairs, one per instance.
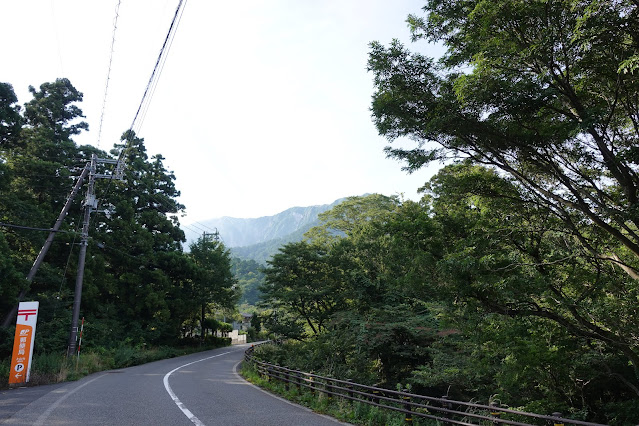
{"points": [[200, 389]]}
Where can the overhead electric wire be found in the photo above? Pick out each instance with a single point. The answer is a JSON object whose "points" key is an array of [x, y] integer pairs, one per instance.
{"points": [[108, 78], [190, 229], [162, 62], [159, 63], [193, 225], [155, 75], [152, 83], [31, 228], [208, 227], [57, 37]]}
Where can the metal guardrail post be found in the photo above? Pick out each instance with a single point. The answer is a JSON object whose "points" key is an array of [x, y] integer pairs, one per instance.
{"points": [[297, 380], [350, 389], [448, 406], [496, 414], [557, 414], [287, 379], [408, 418]]}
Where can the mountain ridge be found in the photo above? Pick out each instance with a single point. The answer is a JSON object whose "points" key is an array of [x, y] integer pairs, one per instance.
{"points": [[241, 234]]}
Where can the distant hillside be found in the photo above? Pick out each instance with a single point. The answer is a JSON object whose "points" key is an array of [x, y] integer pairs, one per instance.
{"points": [[261, 252], [259, 238]]}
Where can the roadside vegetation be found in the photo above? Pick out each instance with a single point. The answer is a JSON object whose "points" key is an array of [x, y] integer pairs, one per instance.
{"points": [[346, 411], [144, 297], [49, 368], [515, 278]]}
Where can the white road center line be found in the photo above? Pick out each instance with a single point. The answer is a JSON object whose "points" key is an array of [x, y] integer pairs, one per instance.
{"points": [[174, 397]]}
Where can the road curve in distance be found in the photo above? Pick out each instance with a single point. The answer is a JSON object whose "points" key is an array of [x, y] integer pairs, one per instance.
{"points": [[197, 389]]}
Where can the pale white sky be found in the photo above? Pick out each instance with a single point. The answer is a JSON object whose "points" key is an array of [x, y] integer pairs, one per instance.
{"points": [[262, 105]]}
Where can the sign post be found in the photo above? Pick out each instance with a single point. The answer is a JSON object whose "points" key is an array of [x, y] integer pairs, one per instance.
{"points": [[23, 342]]}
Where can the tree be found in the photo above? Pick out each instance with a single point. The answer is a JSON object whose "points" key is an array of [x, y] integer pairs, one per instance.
{"points": [[303, 289], [53, 108], [10, 118], [11, 282], [540, 90], [136, 271], [249, 276], [38, 164], [505, 256], [349, 215], [214, 283]]}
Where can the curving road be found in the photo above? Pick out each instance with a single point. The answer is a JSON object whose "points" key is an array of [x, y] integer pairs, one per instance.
{"points": [[198, 389]]}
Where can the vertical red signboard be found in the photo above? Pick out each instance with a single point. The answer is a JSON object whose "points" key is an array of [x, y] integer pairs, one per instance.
{"points": [[23, 342]]}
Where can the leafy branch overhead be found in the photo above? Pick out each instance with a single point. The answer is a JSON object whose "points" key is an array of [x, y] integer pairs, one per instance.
{"points": [[538, 90]]}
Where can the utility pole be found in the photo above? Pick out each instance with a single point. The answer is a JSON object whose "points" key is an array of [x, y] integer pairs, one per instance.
{"points": [[90, 205], [45, 248], [215, 235]]}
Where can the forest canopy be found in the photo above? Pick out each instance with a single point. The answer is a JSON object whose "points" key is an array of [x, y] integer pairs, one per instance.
{"points": [[140, 287]]}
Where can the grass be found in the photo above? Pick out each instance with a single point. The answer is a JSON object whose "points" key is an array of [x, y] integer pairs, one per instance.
{"points": [[352, 412], [56, 368]]}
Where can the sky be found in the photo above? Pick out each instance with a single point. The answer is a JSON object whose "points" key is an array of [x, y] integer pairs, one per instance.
{"points": [[261, 105]]}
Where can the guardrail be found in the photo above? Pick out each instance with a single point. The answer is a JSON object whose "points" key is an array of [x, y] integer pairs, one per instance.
{"points": [[446, 411]]}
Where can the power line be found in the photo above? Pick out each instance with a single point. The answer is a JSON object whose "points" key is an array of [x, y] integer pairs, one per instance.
{"points": [[159, 63], [30, 228], [193, 225], [170, 37], [150, 87], [66, 267], [108, 78], [207, 227]]}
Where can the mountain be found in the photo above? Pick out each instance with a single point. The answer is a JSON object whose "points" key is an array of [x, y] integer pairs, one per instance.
{"points": [[259, 238], [261, 252]]}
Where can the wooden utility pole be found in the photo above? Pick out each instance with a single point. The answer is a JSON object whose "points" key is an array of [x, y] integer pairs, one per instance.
{"points": [[90, 205]]}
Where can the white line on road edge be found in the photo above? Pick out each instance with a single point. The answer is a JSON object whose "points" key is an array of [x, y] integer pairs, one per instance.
{"points": [[40, 421], [174, 397]]}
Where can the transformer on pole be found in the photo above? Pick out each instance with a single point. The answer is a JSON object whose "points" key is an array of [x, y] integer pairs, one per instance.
{"points": [[90, 205]]}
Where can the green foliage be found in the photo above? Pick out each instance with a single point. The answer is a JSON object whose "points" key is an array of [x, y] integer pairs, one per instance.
{"points": [[213, 283], [250, 277], [139, 285], [301, 283], [346, 217], [226, 327], [10, 118], [12, 281], [342, 409], [473, 293], [256, 322], [532, 89]]}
